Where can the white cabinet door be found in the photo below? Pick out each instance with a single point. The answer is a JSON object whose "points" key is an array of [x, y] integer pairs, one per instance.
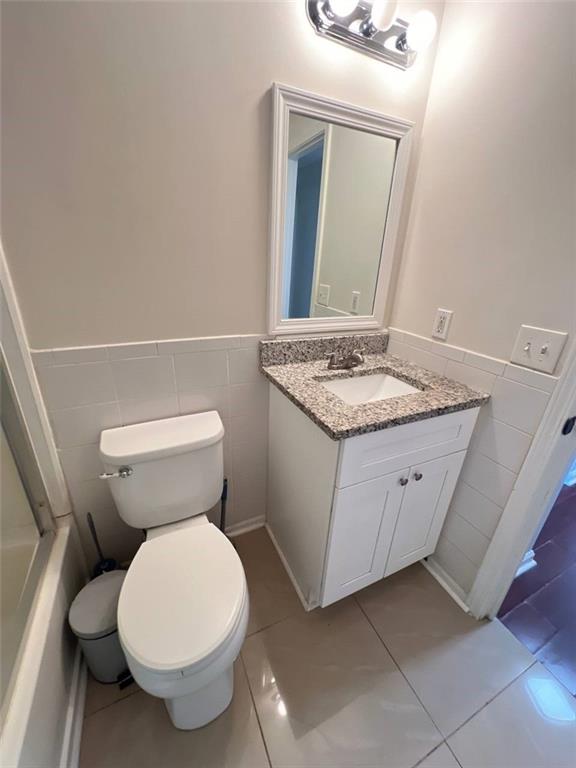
{"points": [[424, 507], [363, 520]]}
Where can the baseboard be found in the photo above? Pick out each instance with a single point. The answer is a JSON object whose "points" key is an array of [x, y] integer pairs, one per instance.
{"points": [[246, 525], [70, 755], [447, 582], [307, 606]]}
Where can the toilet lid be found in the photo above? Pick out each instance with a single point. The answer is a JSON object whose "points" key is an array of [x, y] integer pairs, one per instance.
{"points": [[181, 598]]}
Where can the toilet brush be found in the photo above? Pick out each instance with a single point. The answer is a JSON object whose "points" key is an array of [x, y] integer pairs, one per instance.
{"points": [[105, 564]]}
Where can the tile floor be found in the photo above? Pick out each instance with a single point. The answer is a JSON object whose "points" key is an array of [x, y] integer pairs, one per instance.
{"points": [[540, 607], [394, 677]]}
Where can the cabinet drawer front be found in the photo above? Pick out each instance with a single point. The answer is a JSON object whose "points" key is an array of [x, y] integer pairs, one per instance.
{"points": [[424, 507], [377, 453], [363, 519]]}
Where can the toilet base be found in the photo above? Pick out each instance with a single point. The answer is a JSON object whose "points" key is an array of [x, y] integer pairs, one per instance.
{"points": [[201, 707]]}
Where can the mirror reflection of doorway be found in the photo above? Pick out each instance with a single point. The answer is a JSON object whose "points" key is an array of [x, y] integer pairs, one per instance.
{"points": [[302, 206]]}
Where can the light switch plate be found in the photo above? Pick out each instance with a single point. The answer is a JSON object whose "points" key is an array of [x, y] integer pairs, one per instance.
{"points": [[323, 296], [442, 323], [538, 348]]}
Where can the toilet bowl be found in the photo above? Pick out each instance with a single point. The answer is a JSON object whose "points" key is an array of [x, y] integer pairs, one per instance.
{"points": [[183, 607]]}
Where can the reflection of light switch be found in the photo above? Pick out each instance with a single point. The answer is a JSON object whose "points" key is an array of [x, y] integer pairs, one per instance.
{"points": [[355, 302], [323, 295], [538, 348]]}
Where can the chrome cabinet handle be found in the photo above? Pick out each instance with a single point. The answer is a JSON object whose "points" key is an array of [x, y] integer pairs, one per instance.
{"points": [[417, 475], [123, 472], [403, 481]]}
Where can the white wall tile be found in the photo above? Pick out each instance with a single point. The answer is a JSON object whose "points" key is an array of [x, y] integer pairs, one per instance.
{"points": [[182, 346], [485, 363], [420, 356], [117, 539], [472, 377], [42, 357], [476, 508], [144, 378], [249, 398], [90, 496], [530, 378], [206, 399], [65, 386], [500, 442], [395, 334], [81, 463], [139, 410], [520, 406], [436, 347], [126, 351], [491, 479], [455, 563], [201, 369], [79, 355], [82, 425], [243, 365], [469, 540]]}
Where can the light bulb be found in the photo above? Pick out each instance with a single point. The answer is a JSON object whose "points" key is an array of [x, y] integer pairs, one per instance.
{"points": [[383, 14], [421, 31], [343, 7]]}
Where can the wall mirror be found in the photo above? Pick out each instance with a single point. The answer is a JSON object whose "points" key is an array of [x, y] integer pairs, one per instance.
{"points": [[337, 187]]}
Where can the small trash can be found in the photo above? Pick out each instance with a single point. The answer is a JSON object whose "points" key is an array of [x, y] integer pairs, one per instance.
{"points": [[93, 619]]}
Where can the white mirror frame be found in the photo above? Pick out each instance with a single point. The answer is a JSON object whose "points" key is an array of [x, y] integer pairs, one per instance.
{"points": [[285, 101]]}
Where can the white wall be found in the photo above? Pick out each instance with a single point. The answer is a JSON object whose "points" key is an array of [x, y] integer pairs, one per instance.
{"points": [[492, 230], [136, 151]]}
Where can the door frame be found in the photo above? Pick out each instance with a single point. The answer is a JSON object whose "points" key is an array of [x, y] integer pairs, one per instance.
{"points": [[532, 497]]}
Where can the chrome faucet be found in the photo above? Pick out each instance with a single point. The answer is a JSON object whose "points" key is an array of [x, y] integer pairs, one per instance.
{"points": [[345, 362]]}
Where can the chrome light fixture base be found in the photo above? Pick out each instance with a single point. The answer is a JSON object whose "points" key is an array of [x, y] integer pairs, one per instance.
{"points": [[357, 31]]}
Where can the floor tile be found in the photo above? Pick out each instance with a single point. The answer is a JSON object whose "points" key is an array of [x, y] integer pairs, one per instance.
{"points": [[529, 626], [328, 694], [567, 539], [136, 732], [453, 662], [440, 758], [100, 695], [532, 724], [560, 516], [272, 596], [559, 657], [557, 600], [552, 560]]}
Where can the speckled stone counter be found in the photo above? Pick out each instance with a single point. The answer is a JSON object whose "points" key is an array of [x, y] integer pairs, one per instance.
{"points": [[301, 382]]}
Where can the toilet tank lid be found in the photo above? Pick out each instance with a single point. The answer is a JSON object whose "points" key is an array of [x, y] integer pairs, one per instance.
{"points": [[159, 439]]}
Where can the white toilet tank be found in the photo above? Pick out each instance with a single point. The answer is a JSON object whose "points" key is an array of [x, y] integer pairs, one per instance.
{"points": [[169, 469]]}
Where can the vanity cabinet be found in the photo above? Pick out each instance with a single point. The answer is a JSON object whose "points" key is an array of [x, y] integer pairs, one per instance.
{"points": [[344, 514], [380, 526]]}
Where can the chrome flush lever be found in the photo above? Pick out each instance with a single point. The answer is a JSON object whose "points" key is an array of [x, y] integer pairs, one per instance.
{"points": [[123, 472]]}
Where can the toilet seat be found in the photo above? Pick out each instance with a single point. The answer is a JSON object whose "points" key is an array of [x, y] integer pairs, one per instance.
{"points": [[183, 602]]}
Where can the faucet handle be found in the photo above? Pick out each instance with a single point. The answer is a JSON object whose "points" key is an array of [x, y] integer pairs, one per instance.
{"points": [[333, 360], [360, 353]]}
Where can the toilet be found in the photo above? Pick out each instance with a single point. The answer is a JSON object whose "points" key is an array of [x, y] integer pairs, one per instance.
{"points": [[183, 607]]}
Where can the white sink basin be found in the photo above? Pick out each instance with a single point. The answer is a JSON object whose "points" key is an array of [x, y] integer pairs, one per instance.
{"points": [[367, 389]]}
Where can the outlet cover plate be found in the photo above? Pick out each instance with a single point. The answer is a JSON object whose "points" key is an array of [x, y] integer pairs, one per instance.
{"points": [[442, 323], [538, 348]]}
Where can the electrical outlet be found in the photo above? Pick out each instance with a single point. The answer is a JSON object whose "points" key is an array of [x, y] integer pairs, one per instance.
{"points": [[538, 348], [323, 296], [355, 306], [442, 323]]}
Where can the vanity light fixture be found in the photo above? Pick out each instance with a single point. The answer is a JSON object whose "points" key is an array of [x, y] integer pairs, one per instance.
{"points": [[373, 27]]}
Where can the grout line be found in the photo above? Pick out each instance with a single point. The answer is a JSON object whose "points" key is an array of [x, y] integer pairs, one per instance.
{"points": [[252, 699], [453, 753], [518, 676], [399, 669], [136, 690], [420, 700]]}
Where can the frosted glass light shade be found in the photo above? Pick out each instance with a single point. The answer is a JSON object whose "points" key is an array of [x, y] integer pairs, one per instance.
{"points": [[383, 13], [343, 7], [421, 31]]}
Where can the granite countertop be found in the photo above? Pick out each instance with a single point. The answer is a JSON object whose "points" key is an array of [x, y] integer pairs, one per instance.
{"points": [[301, 382]]}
